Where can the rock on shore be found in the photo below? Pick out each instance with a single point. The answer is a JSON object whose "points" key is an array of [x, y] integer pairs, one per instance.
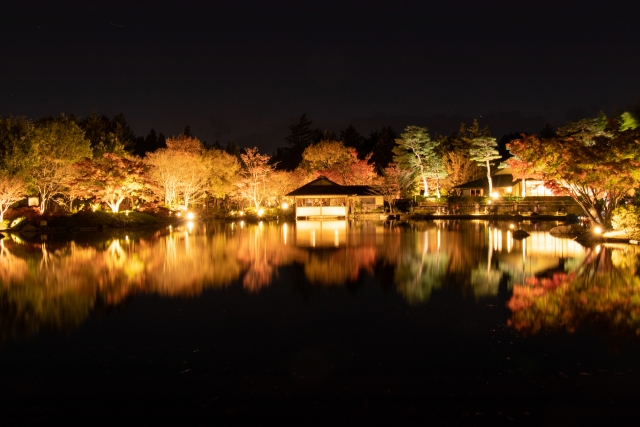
{"points": [[571, 229]]}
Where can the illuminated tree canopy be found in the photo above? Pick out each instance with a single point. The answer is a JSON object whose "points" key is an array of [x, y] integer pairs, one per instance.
{"points": [[597, 168]]}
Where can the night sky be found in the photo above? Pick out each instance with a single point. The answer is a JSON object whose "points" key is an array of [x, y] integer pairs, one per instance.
{"points": [[246, 70]]}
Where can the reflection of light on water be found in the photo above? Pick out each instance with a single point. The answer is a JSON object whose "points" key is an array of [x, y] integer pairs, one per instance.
{"points": [[285, 230], [497, 239], [438, 240], [598, 248], [190, 226], [509, 242], [336, 239], [542, 243], [320, 233]]}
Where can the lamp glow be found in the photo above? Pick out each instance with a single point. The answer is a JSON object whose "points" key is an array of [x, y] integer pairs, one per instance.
{"points": [[260, 212], [190, 215], [285, 205], [597, 230]]}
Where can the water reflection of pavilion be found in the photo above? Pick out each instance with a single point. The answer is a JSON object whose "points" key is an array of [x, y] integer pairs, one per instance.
{"points": [[321, 233]]}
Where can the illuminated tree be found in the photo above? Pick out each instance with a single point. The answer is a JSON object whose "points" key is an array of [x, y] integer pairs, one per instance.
{"points": [[627, 121], [57, 144], [185, 170], [16, 160], [436, 170], [255, 171], [393, 184], [113, 178], [325, 154], [283, 182], [352, 171], [191, 166], [12, 189], [483, 150], [165, 172], [596, 170], [459, 167], [223, 169], [413, 152]]}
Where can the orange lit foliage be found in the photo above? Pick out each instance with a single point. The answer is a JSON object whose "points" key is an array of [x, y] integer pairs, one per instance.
{"points": [[352, 171], [12, 189], [604, 290], [113, 178], [255, 171], [597, 172]]}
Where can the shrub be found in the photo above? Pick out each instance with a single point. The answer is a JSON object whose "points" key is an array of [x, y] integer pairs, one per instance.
{"points": [[626, 217]]}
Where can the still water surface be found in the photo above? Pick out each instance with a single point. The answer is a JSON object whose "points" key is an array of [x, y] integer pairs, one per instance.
{"points": [[446, 320]]}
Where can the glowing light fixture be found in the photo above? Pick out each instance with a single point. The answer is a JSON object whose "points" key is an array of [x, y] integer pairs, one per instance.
{"points": [[190, 215], [285, 205], [260, 212], [494, 195], [509, 189], [597, 230]]}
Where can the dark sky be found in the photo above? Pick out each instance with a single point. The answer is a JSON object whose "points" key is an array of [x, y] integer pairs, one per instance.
{"points": [[246, 70]]}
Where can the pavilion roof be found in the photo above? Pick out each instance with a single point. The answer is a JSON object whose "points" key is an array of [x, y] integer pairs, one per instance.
{"points": [[323, 186]]}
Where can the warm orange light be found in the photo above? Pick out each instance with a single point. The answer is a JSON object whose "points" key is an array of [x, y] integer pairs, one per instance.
{"points": [[285, 205], [190, 215]]}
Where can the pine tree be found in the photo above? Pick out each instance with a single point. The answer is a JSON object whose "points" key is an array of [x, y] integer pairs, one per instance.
{"points": [[483, 150], [414, 152]]}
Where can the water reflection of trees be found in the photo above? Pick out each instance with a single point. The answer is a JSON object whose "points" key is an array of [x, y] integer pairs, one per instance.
{"points": [[57, 284], [603, 290]]}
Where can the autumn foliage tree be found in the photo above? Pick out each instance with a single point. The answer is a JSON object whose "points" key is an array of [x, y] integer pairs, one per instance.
{"points": [[352, 171], [57, 144], [12, 189], [113, 178], [597, 170], [325, 154], [255, 171], [186, 171], [393, 183]]}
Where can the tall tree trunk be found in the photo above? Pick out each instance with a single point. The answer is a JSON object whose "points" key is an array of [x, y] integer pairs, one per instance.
{"points": [[489, 178], [426, 186]]}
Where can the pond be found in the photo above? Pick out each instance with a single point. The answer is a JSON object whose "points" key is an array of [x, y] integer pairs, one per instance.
{"points": [[311, 322]]}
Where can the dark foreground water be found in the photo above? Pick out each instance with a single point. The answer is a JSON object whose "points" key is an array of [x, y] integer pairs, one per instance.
{"points": [[319, 323]]}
